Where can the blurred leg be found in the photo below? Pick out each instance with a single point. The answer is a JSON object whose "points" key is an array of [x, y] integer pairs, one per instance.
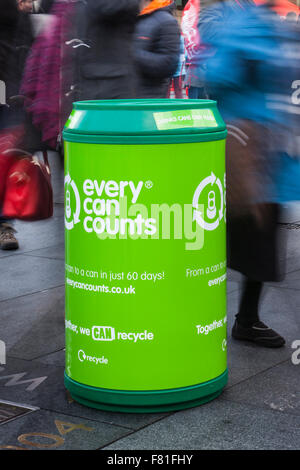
{"points": [[177, 87], [169, 89], [248, 325], [248, 311]]}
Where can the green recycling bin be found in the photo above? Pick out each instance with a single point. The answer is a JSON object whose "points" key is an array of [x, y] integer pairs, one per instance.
{"points": [[145, 225]]}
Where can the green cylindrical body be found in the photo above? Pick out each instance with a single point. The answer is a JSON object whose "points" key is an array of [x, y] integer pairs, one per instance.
{"points": [[145, 219]]}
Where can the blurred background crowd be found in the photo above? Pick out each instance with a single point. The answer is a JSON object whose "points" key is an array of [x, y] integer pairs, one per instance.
{"points": [[56, 52], [243, 53], [53, 52]]}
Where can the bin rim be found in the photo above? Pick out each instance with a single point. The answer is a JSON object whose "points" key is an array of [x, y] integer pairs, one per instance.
{"points": [[143, 139], [144, 121], [140, 104]]}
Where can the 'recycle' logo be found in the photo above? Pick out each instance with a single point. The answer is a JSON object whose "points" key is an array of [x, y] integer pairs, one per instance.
{"points": [[71, 216], [210, 218], [83, 357]]}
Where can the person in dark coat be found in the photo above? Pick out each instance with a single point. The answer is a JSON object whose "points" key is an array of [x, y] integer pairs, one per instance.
{"points": [[25, 6], [22, 44], [156, 48], [45, 6], [104, 49], [9, 21]]}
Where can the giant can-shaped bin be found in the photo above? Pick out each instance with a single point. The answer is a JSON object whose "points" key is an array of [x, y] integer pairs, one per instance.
{"points": [[145, 220]]}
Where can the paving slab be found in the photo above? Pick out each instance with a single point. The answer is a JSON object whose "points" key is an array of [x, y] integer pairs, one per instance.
{"points": [[45, 389], [246, 360], [269, 389], [278, 306], [219, 425], [293, 249], [40, 234], [291, 281], [53, 252], [279, 309], [28, 274], [30, 382], [56, 358], [234, 276], [290, 212], [233, 286], [33, 325], [47, 430]]}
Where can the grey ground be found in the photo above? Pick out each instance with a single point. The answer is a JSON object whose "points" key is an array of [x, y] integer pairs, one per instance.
{"points": [[259, 409]]}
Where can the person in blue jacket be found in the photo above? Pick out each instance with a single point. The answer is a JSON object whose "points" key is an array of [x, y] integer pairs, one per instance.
{"points": [[249, 74]]}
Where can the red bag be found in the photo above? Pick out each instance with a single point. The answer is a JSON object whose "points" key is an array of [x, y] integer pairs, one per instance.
{"points": [[28, 191], [5, 163], [8, 139]]}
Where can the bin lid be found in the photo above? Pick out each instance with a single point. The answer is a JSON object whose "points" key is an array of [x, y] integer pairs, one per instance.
{"points": [[144, 121]]}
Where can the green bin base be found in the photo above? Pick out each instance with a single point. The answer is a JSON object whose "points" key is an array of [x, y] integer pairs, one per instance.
{"points": [[156, 401]]}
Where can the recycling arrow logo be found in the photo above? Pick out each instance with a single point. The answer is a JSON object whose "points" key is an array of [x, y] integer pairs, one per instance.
{"points": [[211, 218], [71, 218]]}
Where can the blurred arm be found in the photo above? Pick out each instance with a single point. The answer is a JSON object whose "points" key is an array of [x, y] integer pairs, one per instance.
{"points": [[163, 62], [109, 9], [210, 23], [8, 23]]}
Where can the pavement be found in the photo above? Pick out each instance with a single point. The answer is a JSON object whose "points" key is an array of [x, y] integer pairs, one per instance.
{"points": [[259, 408]]}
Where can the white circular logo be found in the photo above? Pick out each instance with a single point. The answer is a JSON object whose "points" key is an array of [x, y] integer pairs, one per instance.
{"points": [[81, 355], [149, 184], [71, 217], [212, 217]]}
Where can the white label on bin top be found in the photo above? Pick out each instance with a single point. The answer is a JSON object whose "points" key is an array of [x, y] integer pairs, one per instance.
{"points": [[185, 118]]}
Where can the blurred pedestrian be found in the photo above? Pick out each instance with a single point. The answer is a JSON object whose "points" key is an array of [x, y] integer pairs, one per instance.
{"points": [[104, 49], [15, 42], [291, 17], [179, 76], [195, 51], [8, 23], [156, 48], [25, 6], [45, 6], [48, 76], [83, 53], [23, 41], [247, 59]]}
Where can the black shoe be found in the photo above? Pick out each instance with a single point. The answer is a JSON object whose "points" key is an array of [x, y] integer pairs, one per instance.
{"points": [[258, 333]]}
